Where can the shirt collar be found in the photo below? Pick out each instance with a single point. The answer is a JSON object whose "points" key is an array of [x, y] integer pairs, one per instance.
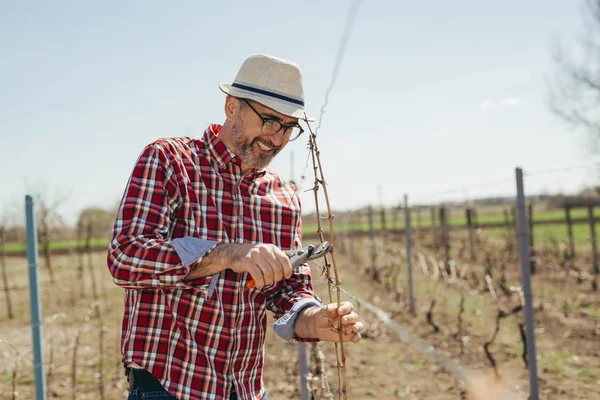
{"points": [[217, 149], [220, 153]]}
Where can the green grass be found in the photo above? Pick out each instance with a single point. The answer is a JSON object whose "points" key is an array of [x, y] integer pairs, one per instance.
{"points": [[591, 311], [456, 217], [557, 363], [416, 367], [547, 233], [26, 379], [57, 245], [541, 233], [537, 216], [587, 374]]}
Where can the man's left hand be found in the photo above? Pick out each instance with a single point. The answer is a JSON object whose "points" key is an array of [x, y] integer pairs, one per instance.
{"points": [[325, 320]]}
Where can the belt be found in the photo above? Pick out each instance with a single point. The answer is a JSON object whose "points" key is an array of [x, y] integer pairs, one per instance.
{"points": [[143, 378]]}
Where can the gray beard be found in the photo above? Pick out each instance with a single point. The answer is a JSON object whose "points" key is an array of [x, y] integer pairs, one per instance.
{"points": [[243, 147]]}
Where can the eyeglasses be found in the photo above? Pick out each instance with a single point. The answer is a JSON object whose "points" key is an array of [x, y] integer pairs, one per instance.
{"points": [[272, 126]]}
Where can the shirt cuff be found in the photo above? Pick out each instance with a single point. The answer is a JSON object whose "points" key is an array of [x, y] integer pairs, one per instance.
{"points": [[191, 249], [284, 326]]}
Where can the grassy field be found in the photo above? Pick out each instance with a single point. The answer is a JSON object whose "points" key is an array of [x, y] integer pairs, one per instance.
{"points": [[455, 217], [58, 245], [545, 233], [419, 219]]}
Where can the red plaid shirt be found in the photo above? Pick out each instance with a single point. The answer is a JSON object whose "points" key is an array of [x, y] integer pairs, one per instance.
{"points": [[200, 345]]}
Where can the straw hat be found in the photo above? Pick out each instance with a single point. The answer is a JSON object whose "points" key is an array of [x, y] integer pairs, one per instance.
{"points": [[271, 81]]}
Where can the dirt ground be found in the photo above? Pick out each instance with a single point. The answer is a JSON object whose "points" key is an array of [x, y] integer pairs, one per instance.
{"points": [[566, 311], [381, 366]]}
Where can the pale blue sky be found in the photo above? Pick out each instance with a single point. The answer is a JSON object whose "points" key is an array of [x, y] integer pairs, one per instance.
{"points": [[431, 96]]}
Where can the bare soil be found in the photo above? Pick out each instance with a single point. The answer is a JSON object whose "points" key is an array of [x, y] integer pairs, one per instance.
{"points": [[381, 366]]}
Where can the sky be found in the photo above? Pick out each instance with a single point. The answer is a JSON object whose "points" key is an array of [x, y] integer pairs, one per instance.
{"points": [[436, 100]]}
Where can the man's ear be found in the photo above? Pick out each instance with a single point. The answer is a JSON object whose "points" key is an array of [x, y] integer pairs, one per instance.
{"points": [[232, 108]]}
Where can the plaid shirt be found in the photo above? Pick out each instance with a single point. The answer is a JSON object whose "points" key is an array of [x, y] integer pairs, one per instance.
{"points": [[201, 340]]}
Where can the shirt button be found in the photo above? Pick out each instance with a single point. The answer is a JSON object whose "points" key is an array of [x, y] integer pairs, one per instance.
{"points": [[239, 326]]}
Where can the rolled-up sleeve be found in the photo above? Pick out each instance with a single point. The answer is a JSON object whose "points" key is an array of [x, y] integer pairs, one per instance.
{"points": [[142, 254]]}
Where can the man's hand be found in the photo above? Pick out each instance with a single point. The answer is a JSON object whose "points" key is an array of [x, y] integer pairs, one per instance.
{"points": [[322, 323], [266, 263]]}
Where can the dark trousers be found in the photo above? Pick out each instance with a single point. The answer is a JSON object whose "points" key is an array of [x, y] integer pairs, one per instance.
{"points": [[142, 385]]}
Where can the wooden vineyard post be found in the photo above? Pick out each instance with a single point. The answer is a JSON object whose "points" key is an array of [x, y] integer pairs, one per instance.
{"points": [[408, 235], [374, 271], [506, 221], [570, 231], [445, 241], [592, 222], [470, 227], [351, 235], [436, 245]]}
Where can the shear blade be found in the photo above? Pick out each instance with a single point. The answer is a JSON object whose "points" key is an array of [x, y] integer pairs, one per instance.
{"points": [[320, 251]]}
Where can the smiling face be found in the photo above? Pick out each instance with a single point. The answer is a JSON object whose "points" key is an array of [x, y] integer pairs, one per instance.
{"points": [[243, 133]]}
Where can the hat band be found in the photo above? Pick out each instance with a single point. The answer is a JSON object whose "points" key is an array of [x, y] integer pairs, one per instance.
{"points": [[267, 93]]}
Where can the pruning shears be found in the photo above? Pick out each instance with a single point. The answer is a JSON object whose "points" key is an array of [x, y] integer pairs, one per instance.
{"points": [[297, 257]]}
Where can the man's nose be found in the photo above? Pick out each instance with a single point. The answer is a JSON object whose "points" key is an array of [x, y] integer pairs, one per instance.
{"points": [[277, 139]]}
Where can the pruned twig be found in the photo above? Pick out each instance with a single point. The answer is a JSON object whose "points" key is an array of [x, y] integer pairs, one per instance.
{"points": [[435, 268], [442, 267], [430, 316], [80, 262], [463, 271], [504, 314], [524, 339], [453, 275], [50, 368], [101, 351], [88, 250], [501, 314], [461, 310], [423, 263], [74, 366], [490, 284], [489, 343]]}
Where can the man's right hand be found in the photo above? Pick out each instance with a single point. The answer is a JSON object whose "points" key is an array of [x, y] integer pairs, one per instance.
{"points": [[266, 263]]}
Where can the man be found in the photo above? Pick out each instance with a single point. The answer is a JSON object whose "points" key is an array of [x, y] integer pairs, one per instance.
{"points": [[199, 219]]}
